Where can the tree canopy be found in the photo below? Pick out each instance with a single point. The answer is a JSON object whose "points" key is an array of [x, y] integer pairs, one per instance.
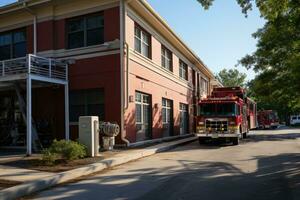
{"points": [[231, 78], [277, 57]]}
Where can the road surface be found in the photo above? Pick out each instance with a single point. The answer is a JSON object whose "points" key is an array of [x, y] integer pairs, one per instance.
{"points": [[264, 166]]}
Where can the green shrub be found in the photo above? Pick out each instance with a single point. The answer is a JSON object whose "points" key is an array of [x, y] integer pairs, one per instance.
{"points": [[63, 149], [49, 158]]}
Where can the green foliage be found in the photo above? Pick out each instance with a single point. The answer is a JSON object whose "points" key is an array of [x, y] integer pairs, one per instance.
{"points": [[49, 158], [277, 58], [231, 78], [63, 149]]}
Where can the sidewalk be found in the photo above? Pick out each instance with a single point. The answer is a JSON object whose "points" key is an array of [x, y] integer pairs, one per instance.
{"points": [[36, 181]]}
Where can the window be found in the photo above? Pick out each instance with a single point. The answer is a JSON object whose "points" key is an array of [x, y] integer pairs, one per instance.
{"points": [[143, 112], [142, 42], [85, 31], [204, 86], [86, 103], [166, 111], [13, 44], [183, 70], [166, 58]]}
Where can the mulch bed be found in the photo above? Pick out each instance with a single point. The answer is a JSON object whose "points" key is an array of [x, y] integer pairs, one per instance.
{"points": [[35, 162]]}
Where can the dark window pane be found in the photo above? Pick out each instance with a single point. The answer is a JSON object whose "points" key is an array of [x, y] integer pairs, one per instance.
{"points": [[138, 113], [75, 25], [137, 32], [95, 36], [5, 39], [145, 50], [137, 44], [19, 50], [163, 112], [138, 97], [86, 103], [146, 113], [76, 112], [96, 110], [76, 40], [5, 53], [19, 37], [95, 22]]}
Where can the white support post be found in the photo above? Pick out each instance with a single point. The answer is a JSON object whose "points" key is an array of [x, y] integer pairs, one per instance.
{"points": [[29, 63], [67, 126], [3, 68], [28, 117], [50, 68]]}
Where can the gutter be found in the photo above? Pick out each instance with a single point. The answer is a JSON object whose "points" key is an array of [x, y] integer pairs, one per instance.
{"points": [[30, 11], [122, 67]]}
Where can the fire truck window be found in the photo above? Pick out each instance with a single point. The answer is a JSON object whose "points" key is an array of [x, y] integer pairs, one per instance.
{"points": [[207, 109], [227, 109]]}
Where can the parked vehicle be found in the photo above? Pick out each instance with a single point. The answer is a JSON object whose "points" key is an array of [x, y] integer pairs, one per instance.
{"points": [[226, 114], [267, 119], [295, 120]]}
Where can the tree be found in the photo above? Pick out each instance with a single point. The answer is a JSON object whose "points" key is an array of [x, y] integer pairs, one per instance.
{"points": [[231, 78], [277, 58]]}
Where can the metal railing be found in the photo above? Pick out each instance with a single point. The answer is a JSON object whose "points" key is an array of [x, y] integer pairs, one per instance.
{"points": [[32, 64]]}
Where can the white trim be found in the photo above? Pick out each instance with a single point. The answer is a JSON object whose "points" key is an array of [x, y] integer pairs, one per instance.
{"points": [[132, 14], [84, 52], [67, 123], [149, 64], [49, 80], [28, 117]]}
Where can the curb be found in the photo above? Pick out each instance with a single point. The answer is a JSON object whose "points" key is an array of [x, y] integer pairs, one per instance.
{"points": [[50, 181]]}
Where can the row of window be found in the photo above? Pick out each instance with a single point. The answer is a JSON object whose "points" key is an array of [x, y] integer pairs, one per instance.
{"points": [[81, 31], [142, 44], [143, 109]]}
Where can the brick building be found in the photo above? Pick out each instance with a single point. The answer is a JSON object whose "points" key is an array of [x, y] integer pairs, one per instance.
{"points": [[125, 65]]}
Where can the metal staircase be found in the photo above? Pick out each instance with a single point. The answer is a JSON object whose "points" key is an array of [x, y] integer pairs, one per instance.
{"points": [[36, 144], [34, 71]]}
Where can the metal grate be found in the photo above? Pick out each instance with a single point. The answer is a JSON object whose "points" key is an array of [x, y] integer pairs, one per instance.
{"points": [[217, 125]]}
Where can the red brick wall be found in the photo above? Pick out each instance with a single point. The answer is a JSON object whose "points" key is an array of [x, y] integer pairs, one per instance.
{"points": [[111, 24], [99, 72], [51, 34]]}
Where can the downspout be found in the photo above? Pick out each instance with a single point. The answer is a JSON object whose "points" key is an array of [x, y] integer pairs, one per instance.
{"points": [[30, 11], [122, 39]]}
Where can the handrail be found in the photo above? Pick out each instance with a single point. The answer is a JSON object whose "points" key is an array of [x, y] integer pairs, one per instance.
{"points": [[33, 64]]}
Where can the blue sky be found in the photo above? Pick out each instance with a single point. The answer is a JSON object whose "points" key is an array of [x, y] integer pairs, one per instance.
{"points": [[220, 36]]}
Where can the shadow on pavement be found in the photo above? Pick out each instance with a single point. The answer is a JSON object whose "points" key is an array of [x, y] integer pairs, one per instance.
{"points": [[277, 177]]}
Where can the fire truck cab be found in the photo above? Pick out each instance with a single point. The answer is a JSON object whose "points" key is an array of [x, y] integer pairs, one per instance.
{"points": [[225, 114]]}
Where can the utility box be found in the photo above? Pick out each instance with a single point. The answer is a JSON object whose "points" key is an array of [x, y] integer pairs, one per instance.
{"points": [[89, 135]]}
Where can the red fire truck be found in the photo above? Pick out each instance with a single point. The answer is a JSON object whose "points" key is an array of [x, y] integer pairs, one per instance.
{"points": [[226, 114], [267, 119]]}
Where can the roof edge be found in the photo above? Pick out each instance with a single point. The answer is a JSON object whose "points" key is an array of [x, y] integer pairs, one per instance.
{"points": [[160, 19]]}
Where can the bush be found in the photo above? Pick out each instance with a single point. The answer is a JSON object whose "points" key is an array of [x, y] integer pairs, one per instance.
{"points": [[49, 158], [66, 150]]}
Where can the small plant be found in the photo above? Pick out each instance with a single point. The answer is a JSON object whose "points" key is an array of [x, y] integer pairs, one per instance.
{"points": [[49, 158], [65, 150]]}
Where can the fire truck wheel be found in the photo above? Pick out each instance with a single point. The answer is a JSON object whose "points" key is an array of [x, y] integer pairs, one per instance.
{"points": [[235, 141]]}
